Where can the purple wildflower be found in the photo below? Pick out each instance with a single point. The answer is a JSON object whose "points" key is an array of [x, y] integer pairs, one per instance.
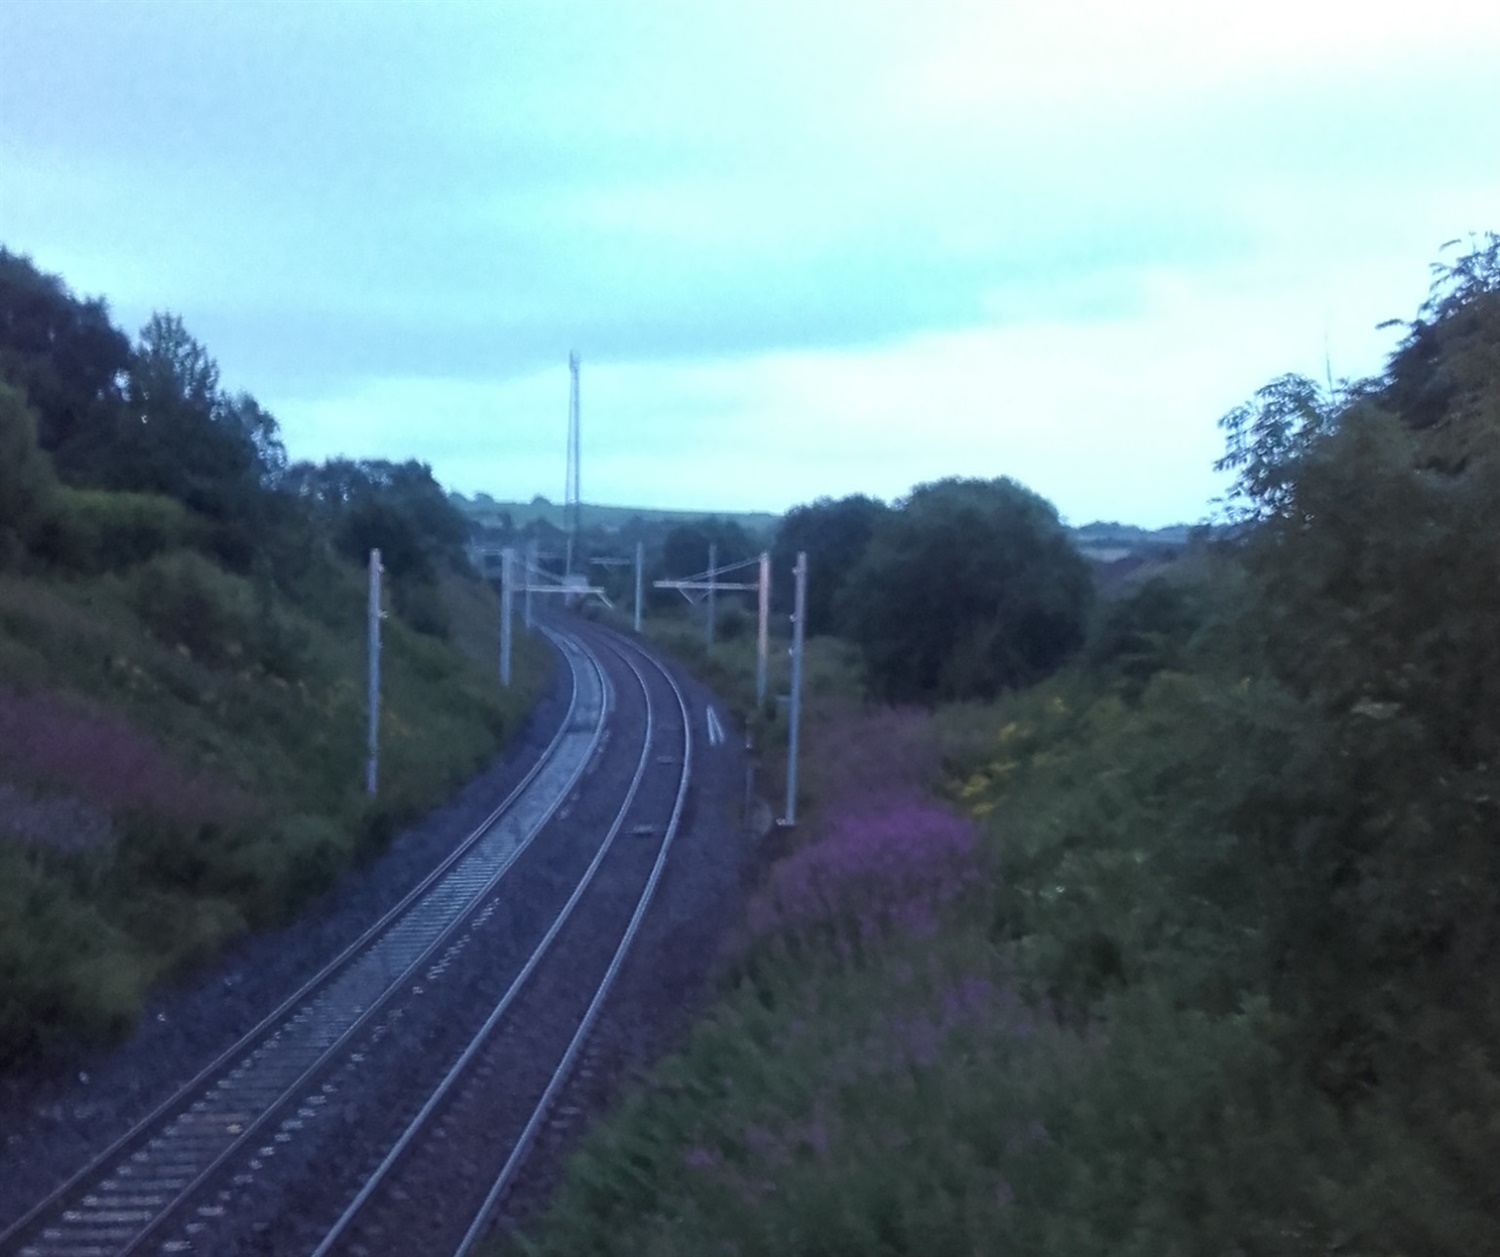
{"points": [[884, 871], [699, 1157], [55, 744]]}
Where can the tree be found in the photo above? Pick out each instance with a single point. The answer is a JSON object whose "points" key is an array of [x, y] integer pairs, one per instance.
{"points": [[1266, 439], [968, 588], [397, 508], [834, 533], [1369, 819], [1144, 632], [70, 361], [1442, 379], [684, 553], [177, 446], [685, 548], [256, 425]]}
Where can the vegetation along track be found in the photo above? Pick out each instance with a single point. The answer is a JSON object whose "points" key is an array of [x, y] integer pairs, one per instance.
{"points": [[201, 1172]]}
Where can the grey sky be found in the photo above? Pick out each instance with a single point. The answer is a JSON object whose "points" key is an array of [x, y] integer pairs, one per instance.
{"points": [[803, 248]]}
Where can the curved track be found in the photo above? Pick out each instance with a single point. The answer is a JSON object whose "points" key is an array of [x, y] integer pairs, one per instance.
{"points": [[387, 1104], [437, 1187]]}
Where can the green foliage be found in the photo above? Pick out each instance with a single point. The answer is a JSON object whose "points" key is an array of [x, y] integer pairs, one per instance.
{"points": [[186, 601], [267, 872], [26, 484], [830, 670], [969, 588], [1237, 941], [396, 507], [185, 441], [685, 548], [182, 660], [1266, 439], [67, 358], [399, 509], [1393, 811], [1145, 632], [233, 677], [265, 707], [149, 420], [834, 534], [1442, 378], [1143, 863], [61, 962], [628, 523], [95, 530]]}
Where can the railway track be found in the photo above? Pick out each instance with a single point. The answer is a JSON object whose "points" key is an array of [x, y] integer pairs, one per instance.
{"points": [[438, 1186], [453, 1019]]}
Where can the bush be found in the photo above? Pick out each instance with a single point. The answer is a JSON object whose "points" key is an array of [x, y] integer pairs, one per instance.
{"points": [[91, 530], [63, 967], [220, 619], [1147, 631], [26, 484], [186, 601], [270, 876], [733, 622], [420, 603]]}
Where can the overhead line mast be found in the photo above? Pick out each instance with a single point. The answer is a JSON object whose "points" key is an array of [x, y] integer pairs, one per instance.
{"points": [[571, 500]]}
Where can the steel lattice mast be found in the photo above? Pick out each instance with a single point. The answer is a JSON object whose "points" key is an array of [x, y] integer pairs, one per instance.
{"points": [[571, 498]]}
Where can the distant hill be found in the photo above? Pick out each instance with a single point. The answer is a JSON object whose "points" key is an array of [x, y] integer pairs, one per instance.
{"points": [[1108, 542], [1124, 556], [485, 510]]}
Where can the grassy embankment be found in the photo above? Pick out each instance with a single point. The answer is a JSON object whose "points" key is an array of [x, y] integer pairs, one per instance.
{"points": [[182, 750], [1006, 995], [1192, 947]]}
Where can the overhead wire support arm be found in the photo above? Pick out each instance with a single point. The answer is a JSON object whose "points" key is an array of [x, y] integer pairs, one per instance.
{"points": [[704, 585], [707, 583], [708, 580], [540, 581]]}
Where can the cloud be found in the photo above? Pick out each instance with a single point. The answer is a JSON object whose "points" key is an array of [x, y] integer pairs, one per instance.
{"points": [[803, 248]]}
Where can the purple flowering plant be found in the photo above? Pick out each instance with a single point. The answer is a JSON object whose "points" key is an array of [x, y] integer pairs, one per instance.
{"points": [[884, 857], [50, 745]]}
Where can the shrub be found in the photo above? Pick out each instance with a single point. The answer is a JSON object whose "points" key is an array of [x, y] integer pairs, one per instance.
{"points": [[733, 622], [420, 603], [220, 619], [63, 967], [92, 530], [269, 876], [27, 488]]}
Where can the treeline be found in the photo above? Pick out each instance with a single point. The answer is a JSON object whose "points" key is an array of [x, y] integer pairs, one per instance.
{"points": [[181, 661], [1266, 820], [185, 461], [1217, 967], [964, 588]]}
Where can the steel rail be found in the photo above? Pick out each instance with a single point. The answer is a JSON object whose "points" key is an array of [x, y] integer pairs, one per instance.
{"points": [[578, 658], [482, 1035], [586, 1024]]}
